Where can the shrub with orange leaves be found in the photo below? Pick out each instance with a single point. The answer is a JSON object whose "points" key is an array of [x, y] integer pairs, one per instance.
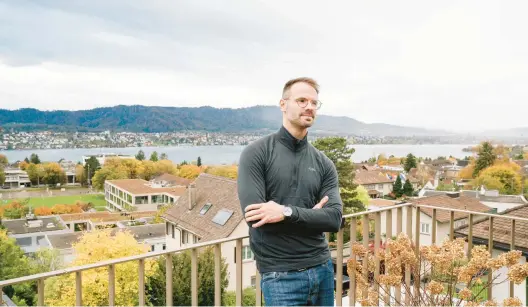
{"points": [[41, 211]]}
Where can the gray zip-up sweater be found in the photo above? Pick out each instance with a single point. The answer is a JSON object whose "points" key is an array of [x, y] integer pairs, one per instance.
{"points": [[293, 173]]}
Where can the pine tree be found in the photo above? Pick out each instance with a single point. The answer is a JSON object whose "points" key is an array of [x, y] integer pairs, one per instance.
{"points": [[486, 158], [410, 162], [397, 188], [199, 162], [140, 155], [154, 156], [408, 188]]}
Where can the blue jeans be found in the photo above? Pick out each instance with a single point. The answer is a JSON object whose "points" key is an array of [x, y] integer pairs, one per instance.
{"points": [[311, 287]]}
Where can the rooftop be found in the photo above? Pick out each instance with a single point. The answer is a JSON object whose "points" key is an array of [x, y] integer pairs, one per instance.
{"points": [[371, 177], [105, 216], [173, 180], [143, 187], [450, 202], [223, 207], [42, 224]]}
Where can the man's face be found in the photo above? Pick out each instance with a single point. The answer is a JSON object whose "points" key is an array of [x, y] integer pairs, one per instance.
{"points": [[300, 94]]}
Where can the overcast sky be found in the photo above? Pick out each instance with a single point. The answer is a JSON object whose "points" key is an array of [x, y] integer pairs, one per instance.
{"points": [[436, 64]]}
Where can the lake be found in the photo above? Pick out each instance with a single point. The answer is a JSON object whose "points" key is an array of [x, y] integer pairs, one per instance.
{"points": [[230, 154]]}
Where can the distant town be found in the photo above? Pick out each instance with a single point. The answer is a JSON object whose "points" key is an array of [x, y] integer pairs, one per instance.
{"points": [[20, 140]]}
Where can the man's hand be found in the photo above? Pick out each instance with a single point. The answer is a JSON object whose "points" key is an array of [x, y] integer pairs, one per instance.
{"points": [[321, 203], [269, 212]]}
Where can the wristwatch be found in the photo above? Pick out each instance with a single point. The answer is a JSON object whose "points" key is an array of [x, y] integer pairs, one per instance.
{"points": [[287, 212]]}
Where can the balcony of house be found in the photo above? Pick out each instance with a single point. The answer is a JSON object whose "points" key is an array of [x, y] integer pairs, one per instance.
{"points": [[385, 262]]}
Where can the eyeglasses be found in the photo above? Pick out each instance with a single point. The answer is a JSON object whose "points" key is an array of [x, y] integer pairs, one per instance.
{"points": [[303, 102]]}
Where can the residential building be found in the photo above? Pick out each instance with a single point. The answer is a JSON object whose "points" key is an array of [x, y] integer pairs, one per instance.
{"points": [[210, 210], [502, 234], [30, 232], [166, 180], [16, 178], [152, 235], [88, 221], [443, 217], [375, 182], [139, 195]]}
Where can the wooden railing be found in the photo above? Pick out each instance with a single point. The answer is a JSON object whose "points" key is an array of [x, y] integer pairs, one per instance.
{"points": [[398, 211]]}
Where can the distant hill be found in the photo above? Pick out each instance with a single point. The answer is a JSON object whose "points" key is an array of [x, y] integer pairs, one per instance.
{"points": [[165, 119]]}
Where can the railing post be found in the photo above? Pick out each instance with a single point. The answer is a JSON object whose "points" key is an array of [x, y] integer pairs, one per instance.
{"points": [[168, 278], [78, 288], [258, 290], [452, 226], [1, 296], [388, 233], [218, 275], [238, 257], [433, 232], [339, 269], [417, 231], [353, 239], [512, 247], [490, 249], [407, 267], [470, 235], [111, 285], [194, 277], [365, 222], [141, 282], [399, 228], [40, 291], [377, 239]]}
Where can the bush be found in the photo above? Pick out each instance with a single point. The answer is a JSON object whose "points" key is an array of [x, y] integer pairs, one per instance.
{"points": [[42, 211], [249, 297], [65, 209]]}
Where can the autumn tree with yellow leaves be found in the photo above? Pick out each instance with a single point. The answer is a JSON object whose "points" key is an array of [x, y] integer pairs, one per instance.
{"points": [[94, 247]]}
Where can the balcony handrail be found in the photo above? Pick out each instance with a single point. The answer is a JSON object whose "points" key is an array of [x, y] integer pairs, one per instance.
{"points": [[104, 263]]}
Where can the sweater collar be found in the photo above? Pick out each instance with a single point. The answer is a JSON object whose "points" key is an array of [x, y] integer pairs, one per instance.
{"points": [[290, 141]]}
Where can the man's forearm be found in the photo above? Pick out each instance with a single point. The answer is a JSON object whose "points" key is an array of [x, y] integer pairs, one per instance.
{"points": [[327, 219]]}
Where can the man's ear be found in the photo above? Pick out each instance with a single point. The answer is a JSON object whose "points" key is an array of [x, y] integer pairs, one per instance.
{"points": [[282, 104]]}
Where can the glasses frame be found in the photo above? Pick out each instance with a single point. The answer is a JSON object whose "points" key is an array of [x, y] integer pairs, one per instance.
{"points": [[319, 103]]}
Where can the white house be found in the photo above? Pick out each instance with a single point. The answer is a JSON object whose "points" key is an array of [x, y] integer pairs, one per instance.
{"points": [[210, 210], [448, 201], [377, 184]]}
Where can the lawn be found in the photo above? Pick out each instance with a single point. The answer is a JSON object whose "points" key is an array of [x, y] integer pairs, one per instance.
{"points": [[97, 199]]}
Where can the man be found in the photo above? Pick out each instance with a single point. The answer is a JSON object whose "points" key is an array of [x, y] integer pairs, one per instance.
{"points": [[289, 194]]}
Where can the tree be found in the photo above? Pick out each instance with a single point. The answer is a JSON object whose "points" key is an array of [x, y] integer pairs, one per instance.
{"points": [[35, 173], [80, 174], [14, 210], [336, 149], [164, 156], [154, 156], [199, 161], [181, 272], [140, 155], [486, 158], [2, 176], [96, 246], [407, 188], [47, 260], [397, 187], [362, 195], [230, 171], [35, 159], [410, 162], [54, 174], [23, 165], [249, 296], [14, 264], [3, 161], [501, 177], [27, 160], [189, 171], [107, 173], [90, 167]]}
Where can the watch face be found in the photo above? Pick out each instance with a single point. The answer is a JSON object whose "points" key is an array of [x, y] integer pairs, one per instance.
{"points": [[287, 211]]}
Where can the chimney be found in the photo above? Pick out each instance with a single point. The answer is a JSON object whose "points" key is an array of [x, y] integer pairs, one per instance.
{"points": [[192, 195]]}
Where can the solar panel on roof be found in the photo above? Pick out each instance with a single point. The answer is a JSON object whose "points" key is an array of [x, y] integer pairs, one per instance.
{"points": [[222, 216]]}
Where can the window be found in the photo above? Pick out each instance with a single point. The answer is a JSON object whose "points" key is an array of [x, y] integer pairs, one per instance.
{"points": [[247, 254], [222, 216], [173, 232], [184, 237], [424, 228], [164, 246], [205, 208], [254, 281]]}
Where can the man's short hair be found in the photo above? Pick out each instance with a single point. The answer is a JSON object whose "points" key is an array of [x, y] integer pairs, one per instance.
{"points": [[291, 82]]}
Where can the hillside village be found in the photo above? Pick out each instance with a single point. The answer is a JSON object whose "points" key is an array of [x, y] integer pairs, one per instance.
{"points": [[174, 208]]}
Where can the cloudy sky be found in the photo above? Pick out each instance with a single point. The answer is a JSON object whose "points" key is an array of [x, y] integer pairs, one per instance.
{"points": [[455, 65]]}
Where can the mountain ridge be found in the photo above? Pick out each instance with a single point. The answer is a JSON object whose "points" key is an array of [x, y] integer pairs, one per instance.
{"points": [[139, 118]]}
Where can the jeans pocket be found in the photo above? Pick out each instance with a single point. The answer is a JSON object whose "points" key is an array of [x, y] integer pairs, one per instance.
{"points": [[272, 276]]}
